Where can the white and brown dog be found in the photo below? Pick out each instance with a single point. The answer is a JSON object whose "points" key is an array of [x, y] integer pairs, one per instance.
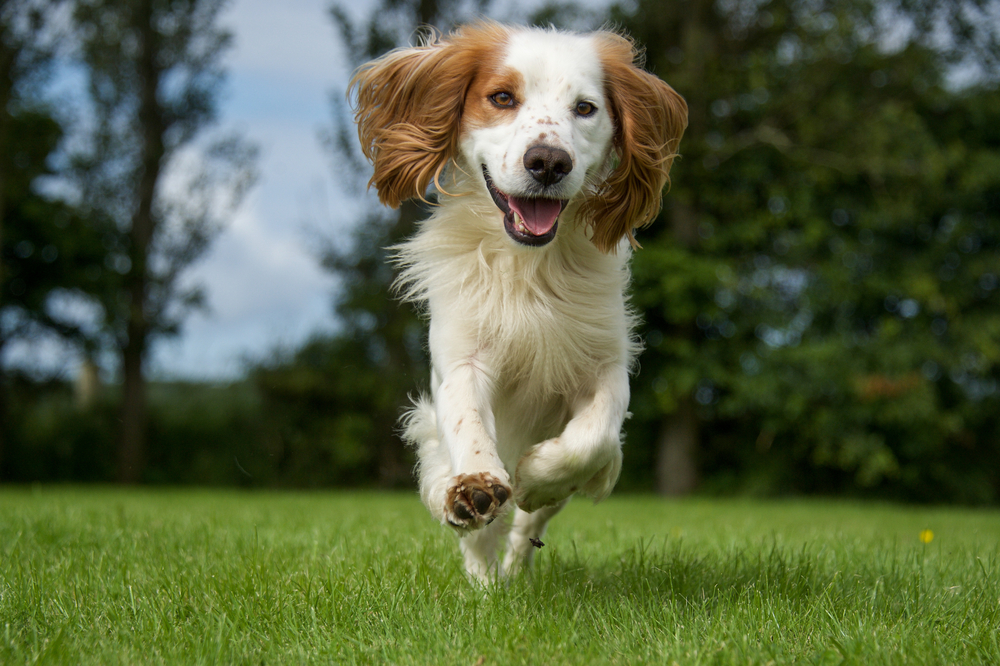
{"points": [[547, 148]]}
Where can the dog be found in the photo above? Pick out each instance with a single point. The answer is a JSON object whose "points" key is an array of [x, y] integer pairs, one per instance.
{"points": [[547, 149]]}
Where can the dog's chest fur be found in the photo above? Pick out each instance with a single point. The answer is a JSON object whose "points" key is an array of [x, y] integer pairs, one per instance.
{"points": [[544, 323]]}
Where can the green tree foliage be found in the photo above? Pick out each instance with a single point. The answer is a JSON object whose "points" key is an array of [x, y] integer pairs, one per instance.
{"points": [[198, 434], [50, 249], [331, 415], [821, 293], [154, 75]]}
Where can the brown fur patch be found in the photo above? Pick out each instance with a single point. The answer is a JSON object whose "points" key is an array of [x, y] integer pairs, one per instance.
{"points": [[409, 104], [491, 79], [650, 118]]}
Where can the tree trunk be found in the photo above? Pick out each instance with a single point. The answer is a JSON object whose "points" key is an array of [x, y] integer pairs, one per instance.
{"points": [[6, 88], [676, 471], [87, 387], [132, 442], [132, 447], [3, 412], [676, 465], [3, 284]]}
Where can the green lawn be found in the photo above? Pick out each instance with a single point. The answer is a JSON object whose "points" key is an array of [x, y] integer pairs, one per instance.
{"points": [[190, 576]]}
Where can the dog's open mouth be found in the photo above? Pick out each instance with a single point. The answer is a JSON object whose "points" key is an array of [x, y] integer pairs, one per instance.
{"points": [[528, 220]]}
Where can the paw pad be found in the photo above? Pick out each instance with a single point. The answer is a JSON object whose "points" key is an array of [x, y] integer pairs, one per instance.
{"points": [[475, 500]]}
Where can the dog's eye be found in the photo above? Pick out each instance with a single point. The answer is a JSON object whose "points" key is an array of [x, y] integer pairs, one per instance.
{"points": [[502, 99], [585, 109]]}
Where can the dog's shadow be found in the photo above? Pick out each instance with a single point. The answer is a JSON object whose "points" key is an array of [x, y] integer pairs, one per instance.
{"points": [[687, 576]]}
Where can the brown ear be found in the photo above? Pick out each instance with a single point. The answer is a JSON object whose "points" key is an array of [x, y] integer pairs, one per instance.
{"points": [[650, 118], [408, 107]]}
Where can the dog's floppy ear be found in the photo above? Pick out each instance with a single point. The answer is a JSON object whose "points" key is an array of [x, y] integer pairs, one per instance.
{"points": [[650, 118], [408, 106]]}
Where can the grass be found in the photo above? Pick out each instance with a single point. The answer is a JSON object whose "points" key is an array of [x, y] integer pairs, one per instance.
{"points": [[115, 576]]}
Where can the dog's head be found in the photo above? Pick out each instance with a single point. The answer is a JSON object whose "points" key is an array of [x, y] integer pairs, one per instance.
{"points": [[537, 117]]}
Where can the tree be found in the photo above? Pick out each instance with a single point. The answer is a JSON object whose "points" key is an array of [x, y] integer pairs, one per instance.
{"points": [[154, 75], [46, 244], [817, 297], [23, 60]]}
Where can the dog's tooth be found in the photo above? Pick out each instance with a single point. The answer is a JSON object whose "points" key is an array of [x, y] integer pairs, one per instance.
{"points": [[519, 223]]}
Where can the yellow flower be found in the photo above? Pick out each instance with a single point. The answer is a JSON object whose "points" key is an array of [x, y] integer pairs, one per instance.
{"points": [[926, 536]]}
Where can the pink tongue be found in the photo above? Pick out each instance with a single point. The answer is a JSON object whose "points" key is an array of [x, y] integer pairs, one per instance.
{"points": [[538, 214]]}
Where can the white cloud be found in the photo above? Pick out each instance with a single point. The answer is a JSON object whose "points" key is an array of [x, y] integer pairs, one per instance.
{"points": [[263, 282]]}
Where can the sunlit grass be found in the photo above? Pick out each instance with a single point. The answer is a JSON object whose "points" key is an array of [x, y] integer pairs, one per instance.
{"points": [[178, 576]]}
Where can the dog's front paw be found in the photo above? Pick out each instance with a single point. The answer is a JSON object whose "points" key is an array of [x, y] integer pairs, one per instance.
{"points": [[475, 500]]}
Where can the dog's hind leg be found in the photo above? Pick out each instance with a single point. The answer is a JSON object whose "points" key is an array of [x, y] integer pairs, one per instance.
{"points": [[480, 547], [525, 536]]}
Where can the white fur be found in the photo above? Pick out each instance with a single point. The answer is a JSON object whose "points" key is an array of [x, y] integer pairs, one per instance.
{"points": [[530, 346]]}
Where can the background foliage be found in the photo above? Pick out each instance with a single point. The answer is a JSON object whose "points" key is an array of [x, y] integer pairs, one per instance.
{"points": [[821, 294]]}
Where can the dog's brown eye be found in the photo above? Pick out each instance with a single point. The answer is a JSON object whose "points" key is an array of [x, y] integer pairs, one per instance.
{"points": [[502, 99], [585, 109]]}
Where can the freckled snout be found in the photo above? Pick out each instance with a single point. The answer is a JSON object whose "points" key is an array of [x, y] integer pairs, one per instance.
{"points": [[547, 165]]}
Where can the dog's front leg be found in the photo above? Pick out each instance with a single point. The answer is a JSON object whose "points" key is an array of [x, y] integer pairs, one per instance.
{"points": [[587, 456], [479, 486]]}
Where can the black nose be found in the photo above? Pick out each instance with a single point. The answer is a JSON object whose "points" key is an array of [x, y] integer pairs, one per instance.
{"points": [[547, 165]]}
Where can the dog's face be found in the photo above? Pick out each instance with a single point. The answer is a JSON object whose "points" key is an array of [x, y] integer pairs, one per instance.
{"points": [[534, 117], [537, 125]]}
